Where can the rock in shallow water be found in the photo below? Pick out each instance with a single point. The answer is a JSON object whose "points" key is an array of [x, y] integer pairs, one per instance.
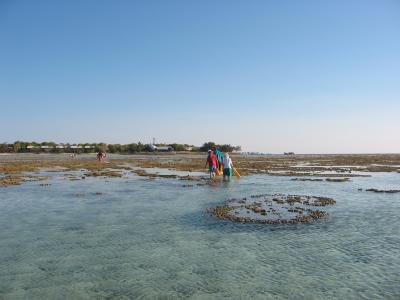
{"points": [[337, 179], [273, 209], [306, 179], [383, 191]]}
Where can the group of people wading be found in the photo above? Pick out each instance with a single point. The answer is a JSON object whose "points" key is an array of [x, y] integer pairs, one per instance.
{"points": [[219, 163]]}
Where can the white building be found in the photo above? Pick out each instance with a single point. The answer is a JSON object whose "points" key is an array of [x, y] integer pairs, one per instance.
{"points": [[164, 148]]}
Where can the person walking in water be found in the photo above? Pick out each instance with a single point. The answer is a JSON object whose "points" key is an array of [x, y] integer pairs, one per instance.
{"points": [[228, 165], [220, 157], [212, 163], [101, 156]]}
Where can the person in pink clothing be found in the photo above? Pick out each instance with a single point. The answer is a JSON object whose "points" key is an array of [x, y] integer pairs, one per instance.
{"points": [[101, 156]]}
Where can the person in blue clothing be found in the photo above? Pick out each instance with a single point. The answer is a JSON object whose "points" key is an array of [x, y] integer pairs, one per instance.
{"points": [[220, 157]]}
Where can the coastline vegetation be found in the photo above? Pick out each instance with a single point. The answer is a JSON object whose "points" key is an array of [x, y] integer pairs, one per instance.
{"points": [[52, 147]]}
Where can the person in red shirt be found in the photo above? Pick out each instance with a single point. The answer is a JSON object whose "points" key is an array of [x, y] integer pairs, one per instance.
{"points": [[212, 163]]}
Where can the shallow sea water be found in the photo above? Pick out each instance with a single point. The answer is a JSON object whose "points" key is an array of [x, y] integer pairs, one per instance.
{"points": [[150, 239]]}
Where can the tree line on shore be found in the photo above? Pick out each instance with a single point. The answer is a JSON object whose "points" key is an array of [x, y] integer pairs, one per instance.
{"points": [[52, 147]]}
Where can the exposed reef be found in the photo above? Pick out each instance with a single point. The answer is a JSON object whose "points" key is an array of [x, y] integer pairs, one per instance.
{"points": [[272, 209], [383, 191], [10, 180], [6, 181], [337, 179], [329, 179], [307, 179], [103, 173], [144, 173], [311, 167]]}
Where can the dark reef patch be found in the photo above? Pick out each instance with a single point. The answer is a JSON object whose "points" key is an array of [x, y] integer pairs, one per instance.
{"points": [[383, 191], [272, 209]]}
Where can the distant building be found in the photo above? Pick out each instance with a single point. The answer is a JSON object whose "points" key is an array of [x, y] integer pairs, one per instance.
{"points": [[153, 147], [190, 148], [288, 153], [164, 148], [251, 153]]}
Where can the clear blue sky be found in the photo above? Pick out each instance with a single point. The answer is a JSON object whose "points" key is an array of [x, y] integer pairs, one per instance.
{"points": [[272, 76]]}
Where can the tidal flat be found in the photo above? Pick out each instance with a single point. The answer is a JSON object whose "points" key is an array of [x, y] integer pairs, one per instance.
{"points": [[142, 227]]}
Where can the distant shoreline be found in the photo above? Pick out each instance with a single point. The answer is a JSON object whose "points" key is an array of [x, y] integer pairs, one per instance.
{"points": [[250, 163]]}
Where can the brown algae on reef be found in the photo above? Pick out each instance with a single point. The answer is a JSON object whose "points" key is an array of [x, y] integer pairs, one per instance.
{"points": [[273, 209], [10, 180], [19, 179]]}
